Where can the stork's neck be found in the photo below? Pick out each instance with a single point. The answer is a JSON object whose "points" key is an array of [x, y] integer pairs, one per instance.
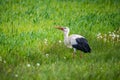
{"points": [[66, 35]]}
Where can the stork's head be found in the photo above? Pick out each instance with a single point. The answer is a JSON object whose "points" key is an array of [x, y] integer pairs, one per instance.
{"points": [[64, 29]]}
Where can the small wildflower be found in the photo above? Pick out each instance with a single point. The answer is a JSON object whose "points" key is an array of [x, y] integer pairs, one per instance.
{"points": [[64, 57], [100, 37], [105, 35], [105, 39], [60, 41], [113, 34], [47, 55], [38, 64], [110, 35], [16, 75], [113, 37], [4, 61], [117, 36], [109, 32], [45, 41], [99, 34], [28, 65]]}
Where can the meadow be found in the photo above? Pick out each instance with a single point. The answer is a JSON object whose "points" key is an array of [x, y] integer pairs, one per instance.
{"points": [[32, 49]]}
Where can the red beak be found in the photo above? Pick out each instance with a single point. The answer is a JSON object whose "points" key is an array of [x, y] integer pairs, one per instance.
{"points": [[60, 28]]}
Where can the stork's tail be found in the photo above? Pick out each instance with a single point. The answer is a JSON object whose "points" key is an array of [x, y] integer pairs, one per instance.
{"points": [[87, 49]]}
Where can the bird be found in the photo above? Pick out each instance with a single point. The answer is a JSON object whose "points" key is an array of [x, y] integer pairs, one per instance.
{"points": [[75, 41]]}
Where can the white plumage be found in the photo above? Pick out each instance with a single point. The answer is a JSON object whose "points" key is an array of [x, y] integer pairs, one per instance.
{"points": [[71, 40]]}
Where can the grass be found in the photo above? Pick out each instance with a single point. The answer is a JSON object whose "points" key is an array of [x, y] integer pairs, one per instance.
{"points": [[30, 47]]}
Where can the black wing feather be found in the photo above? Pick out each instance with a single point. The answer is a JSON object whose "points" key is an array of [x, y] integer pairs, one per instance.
{"points": [[82, 45]]}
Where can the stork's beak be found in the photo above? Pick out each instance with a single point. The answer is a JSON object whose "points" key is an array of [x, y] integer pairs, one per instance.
{"points": [[60, 28]]}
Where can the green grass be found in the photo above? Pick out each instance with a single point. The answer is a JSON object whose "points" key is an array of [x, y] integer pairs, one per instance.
{"points": [[25, 25]]}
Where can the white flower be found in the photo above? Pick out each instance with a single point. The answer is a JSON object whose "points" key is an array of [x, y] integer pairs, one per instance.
{"points": [[105, 35], [4, 61], [38, 64], [113, 35], [100, 37], [60, 41], [47, 55], [16, 75], [28, 65], [110, 35], [45, 41], [64, 57], [109, 32], [117, 36], [105, 39], [99, 34]]}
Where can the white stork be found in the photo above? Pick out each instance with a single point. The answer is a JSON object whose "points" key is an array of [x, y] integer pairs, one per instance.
{"points": [[77, 42]]}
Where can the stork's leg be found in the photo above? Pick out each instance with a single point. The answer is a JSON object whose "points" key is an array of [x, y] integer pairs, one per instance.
{"points": [[74, 53], [80, 55]]}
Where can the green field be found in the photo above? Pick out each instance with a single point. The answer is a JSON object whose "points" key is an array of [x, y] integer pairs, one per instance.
{"points": [[32, 49]]}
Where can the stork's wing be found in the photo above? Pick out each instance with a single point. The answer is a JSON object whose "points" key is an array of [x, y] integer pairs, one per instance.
{"points": [[82, 45]]}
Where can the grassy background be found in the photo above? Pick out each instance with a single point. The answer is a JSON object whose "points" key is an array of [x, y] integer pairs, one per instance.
{"points": [[29, 43]]}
